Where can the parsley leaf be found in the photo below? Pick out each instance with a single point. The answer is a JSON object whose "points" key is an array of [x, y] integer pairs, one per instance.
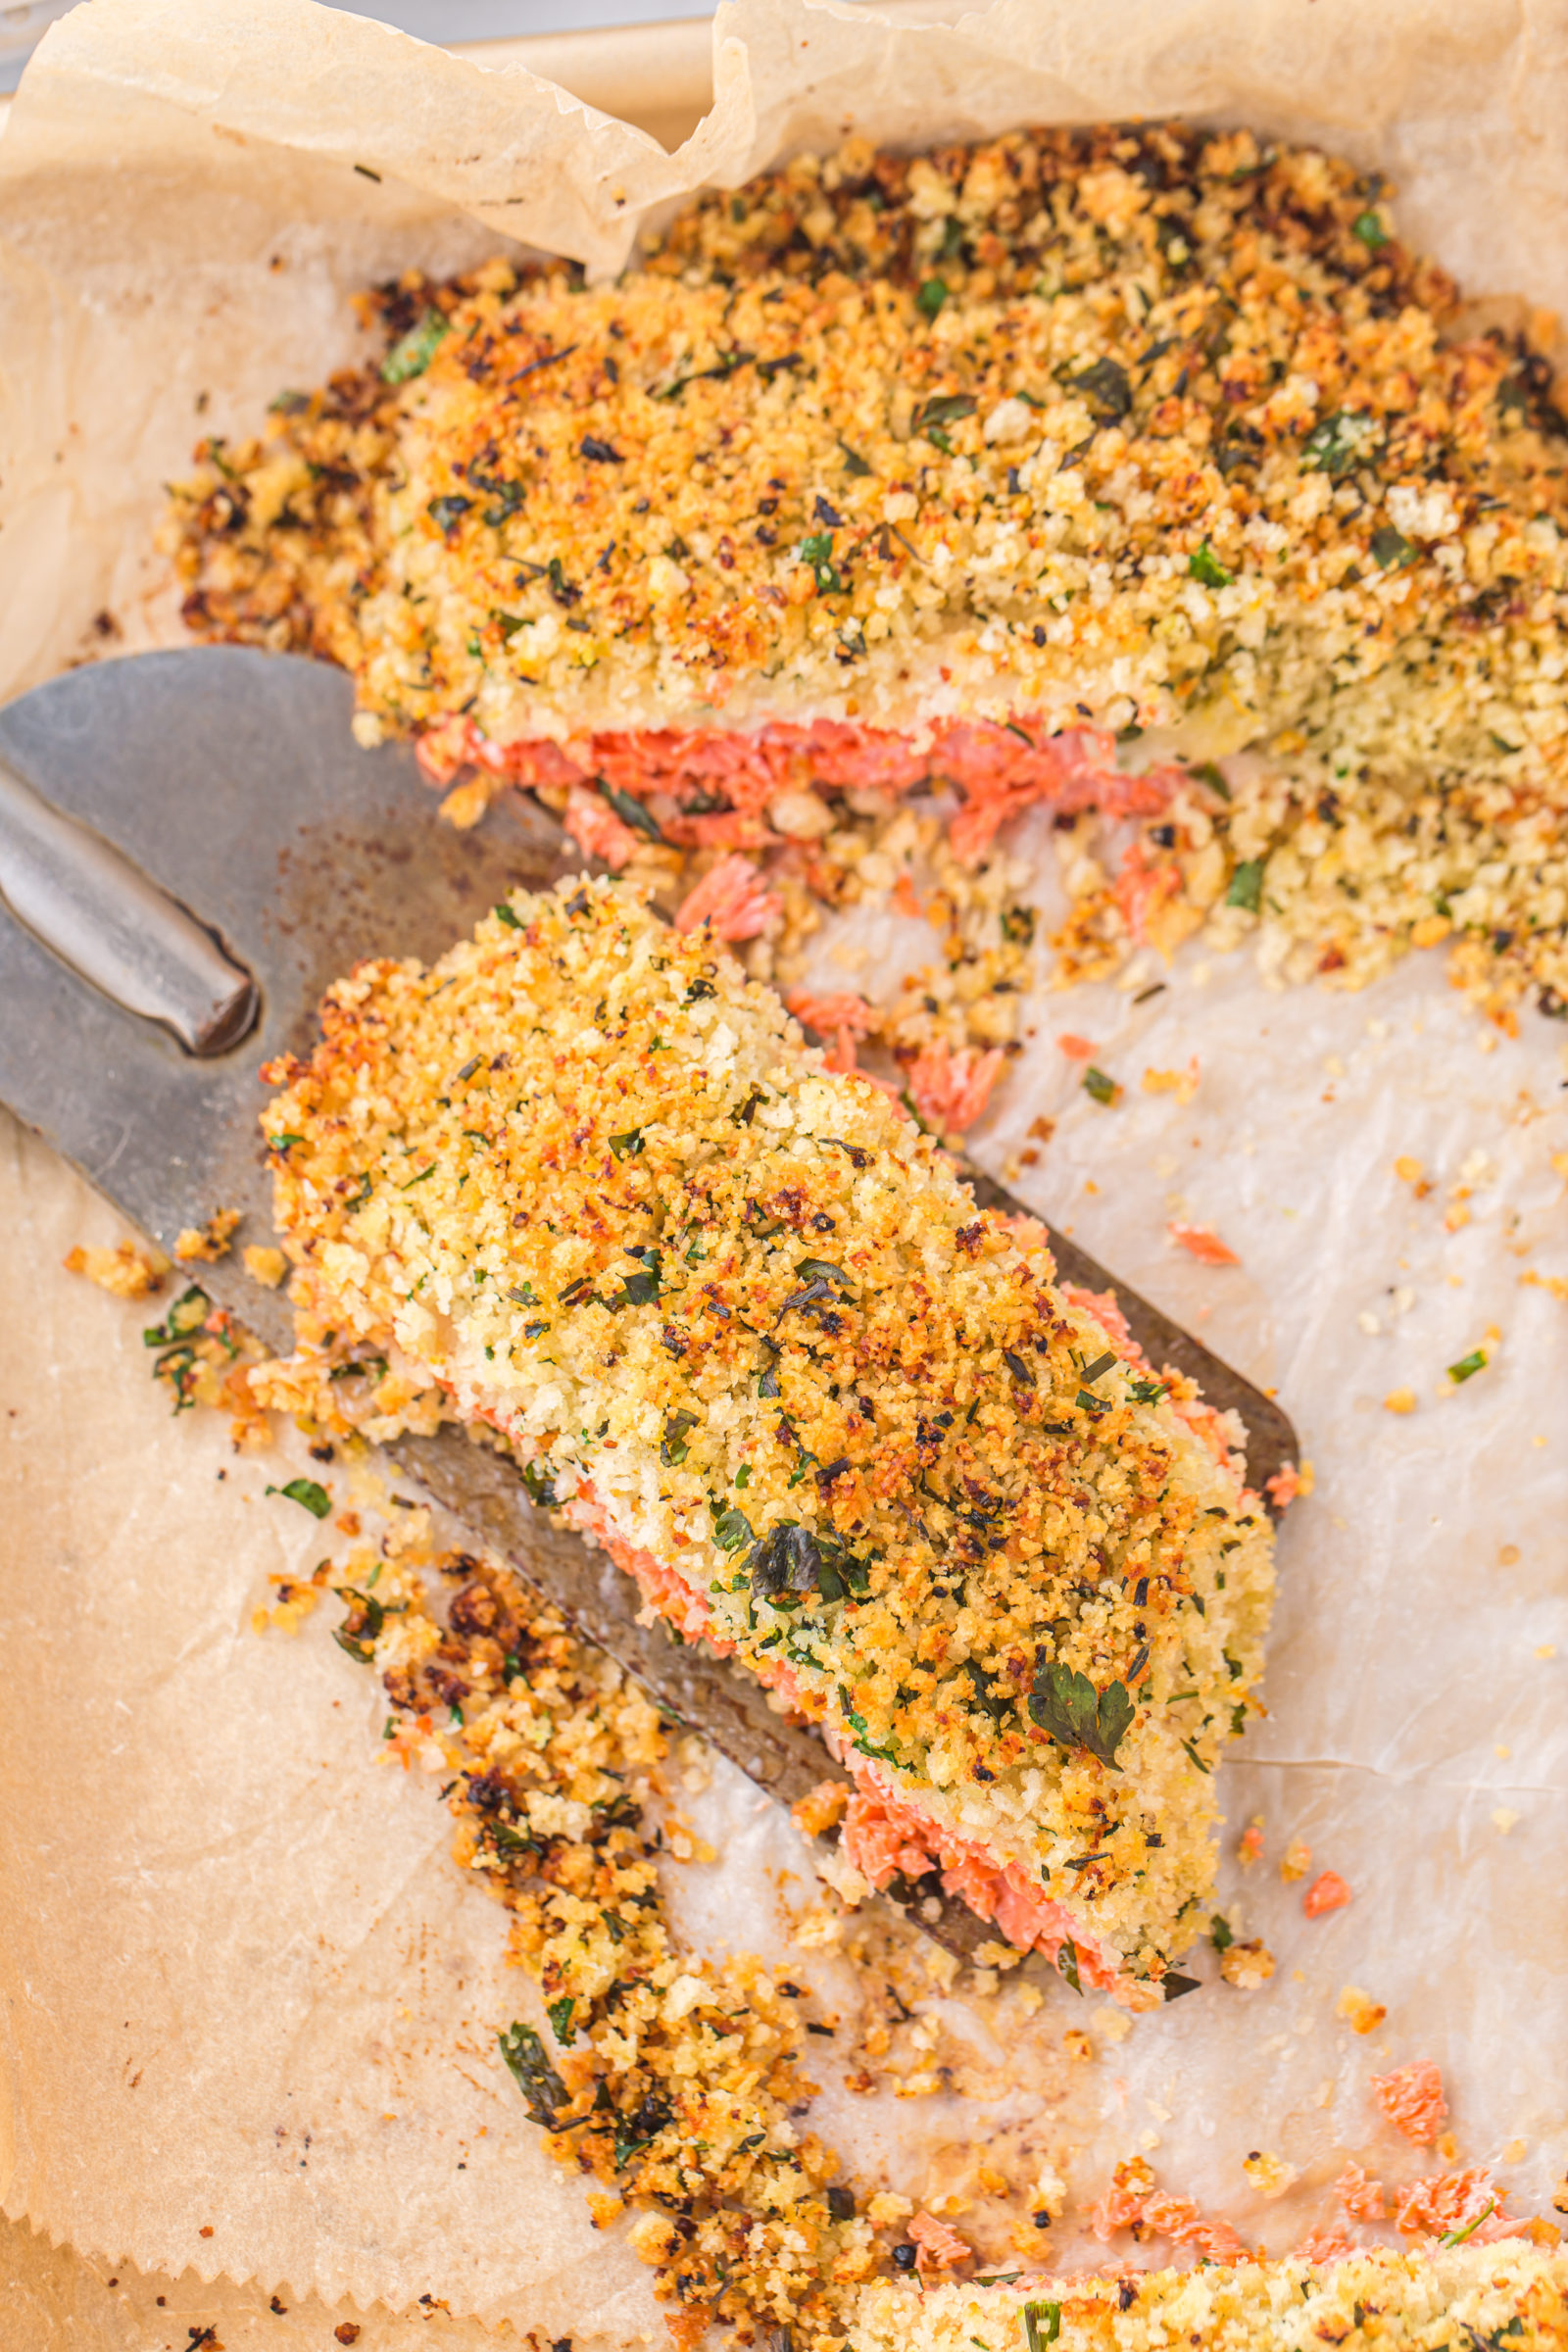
{"points": [[1065, 1704], [1390, 547], [306, 1491], [1207, 567], [1338, 444], [1247, 886]]}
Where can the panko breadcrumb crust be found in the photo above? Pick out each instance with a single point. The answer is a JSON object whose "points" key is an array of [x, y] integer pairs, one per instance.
{"points": [[1512, 2295], [1156, 432], [743, 1322]]}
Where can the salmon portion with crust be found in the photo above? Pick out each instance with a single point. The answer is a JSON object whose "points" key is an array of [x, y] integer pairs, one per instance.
{"points": [[1055, 469], [745, 1327]]}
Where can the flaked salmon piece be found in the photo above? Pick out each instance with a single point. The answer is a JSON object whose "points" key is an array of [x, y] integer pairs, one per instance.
{"points": [[951, 1090], [1411, 2097], [732, 900]]}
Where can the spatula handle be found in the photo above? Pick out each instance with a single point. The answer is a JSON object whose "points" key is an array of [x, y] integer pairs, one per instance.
{"points": [[103, 916]]}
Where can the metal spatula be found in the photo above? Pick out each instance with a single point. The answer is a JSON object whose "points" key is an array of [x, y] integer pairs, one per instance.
{"points": [[192, 846]]}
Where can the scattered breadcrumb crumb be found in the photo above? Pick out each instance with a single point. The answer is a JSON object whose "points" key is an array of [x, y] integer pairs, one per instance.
{"points": [[210, 1241], [128, 1270], [1399, 1401], [265, 1264], [1269, 2175], [1246, 1965], [1183, 1084], [1360, 2012], [1296, 1861]]}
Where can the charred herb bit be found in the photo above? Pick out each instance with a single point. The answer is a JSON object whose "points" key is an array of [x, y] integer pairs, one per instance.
{"points": [[1098, 1369], [1067, 1967], [640, 1289], [1247, 886], [542, 2089], [1220, 1932], [932, 295], [560, 2016], [1204, 565], [1372, 233], [631, 811], [1468, 1365], [183, 1320], [947, 408], [283, 1142], [1018, 926], [447, 513], [1390, 547], [539, 1486], [856, 1154], [411, 354], [1340, 444], [1104, 1088], [1196, 1758], [1149, 1391], [1066, 1705], [1023, 1372], [1097, 1407], [986, 1695], [1105, 388], [359, 1197], [601, 453], [504, 914], [854, 463], [628, 1145], [306, 1491], [823, 1269], [672, 1448], [359, 1630], [1173, 1986], [641, 2129], [745, 1112]]}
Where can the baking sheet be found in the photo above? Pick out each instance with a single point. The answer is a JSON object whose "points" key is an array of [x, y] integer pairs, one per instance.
{"points": [[226, 1929]]}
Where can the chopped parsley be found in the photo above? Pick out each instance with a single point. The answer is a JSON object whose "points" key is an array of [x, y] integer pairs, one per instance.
{"points": [[309, 1493], [411, 354]]}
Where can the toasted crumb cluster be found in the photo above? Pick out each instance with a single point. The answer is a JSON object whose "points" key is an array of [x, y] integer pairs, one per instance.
{"points": [[671, 2081], [1154, 434], [742, 1322], [1509, 2294]]}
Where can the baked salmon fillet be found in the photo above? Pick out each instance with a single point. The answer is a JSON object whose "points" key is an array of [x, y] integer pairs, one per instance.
{"points": [[1513, 2295], [1052, 469], [743, 1325]]}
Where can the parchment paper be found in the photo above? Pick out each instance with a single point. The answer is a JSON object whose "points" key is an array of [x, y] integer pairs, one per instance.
{"points": [[223, 1929]]}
